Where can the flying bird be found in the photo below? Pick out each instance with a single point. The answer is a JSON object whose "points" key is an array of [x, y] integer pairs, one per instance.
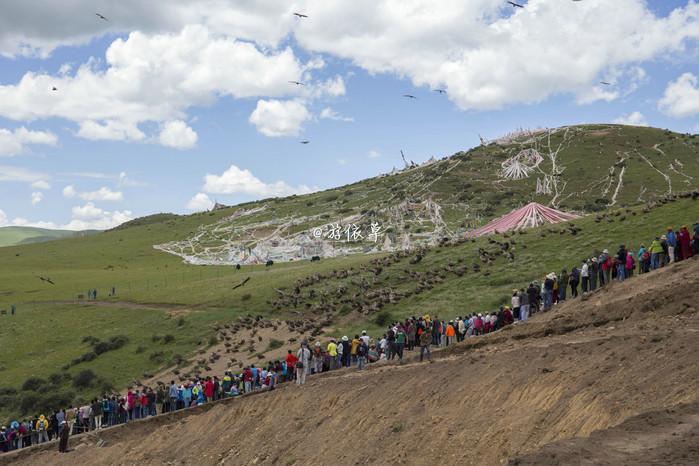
{"points": [[605, 83], [516, 5], [101, 17], [45, 279], [409, 96], [300, 15], [305, 142], [441, 91], [54, 88], [298, 83], [242, 283]]}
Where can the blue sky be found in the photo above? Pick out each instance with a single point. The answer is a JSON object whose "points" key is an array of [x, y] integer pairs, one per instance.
{"points": [[235, 116]]}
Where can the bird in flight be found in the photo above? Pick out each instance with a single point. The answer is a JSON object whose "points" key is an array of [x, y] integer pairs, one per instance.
{"points": [[298, 83], [101, 17], [409, 96], [605, 83], [441, 91], [46, 279], [300, 15], [305, 142], [241, 283], [54, 88], [516, 5]]}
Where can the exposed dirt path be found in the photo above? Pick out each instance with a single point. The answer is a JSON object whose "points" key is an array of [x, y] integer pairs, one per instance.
{"points": [[620, 354]]}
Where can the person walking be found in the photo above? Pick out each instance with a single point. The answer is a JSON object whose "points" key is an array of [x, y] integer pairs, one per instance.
{"points": [[574, 280], [621, 263], [585, 275], [450, 333], [671, 244], [656, 252], [42, 426], [302, 366], [425, 341], [173, 396], [684, 241], [63, 437], [562, 285], [362, 351]]}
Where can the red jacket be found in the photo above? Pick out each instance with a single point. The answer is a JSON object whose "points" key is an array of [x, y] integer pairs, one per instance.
{"points": [[291, 361], [247, 375], [209, 389]]}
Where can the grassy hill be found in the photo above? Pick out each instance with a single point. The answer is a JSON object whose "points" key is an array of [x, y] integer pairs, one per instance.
{"points": [[10, 236], [158, 294]]}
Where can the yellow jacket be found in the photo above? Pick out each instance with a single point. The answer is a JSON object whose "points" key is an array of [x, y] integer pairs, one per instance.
{"points": [[332, 349], [42, 420]]}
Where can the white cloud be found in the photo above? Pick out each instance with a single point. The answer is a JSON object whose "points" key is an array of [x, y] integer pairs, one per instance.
{"points": [[487, 56], [153, 78], [41, 184], [237, 181], [191, 52], [90, 217], [330, 114], [37, 197], [633, 119], [178, 135], [3, 218], [374, 154], [276, 118], [24, 32], [200, 202], [681, 98], [341, 162], [102, 194], [14, 142], [22, 175], [111, 130]]}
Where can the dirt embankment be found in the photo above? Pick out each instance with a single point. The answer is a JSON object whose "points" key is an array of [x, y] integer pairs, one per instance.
{"points": [[607, 380]]}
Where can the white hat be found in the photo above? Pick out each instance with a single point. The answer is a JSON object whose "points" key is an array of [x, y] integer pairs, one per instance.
{"points": [[363, 332], [345, 338], [606, 251]]}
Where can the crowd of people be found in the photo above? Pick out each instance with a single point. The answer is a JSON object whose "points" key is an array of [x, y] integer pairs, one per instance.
{"points": [[418, 333]]}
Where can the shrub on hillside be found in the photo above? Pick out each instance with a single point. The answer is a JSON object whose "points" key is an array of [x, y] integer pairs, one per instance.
{"points": [[246, 297], [383, 318], [168, 338], [84, 378], [33, 384], [274, 344], [58, 377]]}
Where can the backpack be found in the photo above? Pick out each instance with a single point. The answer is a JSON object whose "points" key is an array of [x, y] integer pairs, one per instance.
{"points": [[361, 351], [42, 426]]}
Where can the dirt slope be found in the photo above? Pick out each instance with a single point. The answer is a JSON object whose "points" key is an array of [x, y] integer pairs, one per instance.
{"points": [[623, 357]]}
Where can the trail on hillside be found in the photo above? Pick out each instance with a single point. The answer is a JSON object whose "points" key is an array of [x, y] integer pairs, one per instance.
{"points": [[589, 365]]}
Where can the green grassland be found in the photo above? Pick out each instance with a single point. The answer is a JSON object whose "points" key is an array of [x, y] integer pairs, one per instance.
{"points": [[158, 294]]}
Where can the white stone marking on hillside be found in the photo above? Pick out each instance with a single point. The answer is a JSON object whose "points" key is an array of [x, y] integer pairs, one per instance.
{"points": [[667, 178]]}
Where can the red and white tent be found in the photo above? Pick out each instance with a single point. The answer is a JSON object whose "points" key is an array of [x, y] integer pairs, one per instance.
{"points": [[529, 216]]}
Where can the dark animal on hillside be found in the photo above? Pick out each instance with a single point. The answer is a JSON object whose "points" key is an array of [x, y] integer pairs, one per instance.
{"points": [[269, 263], [237, 266], [315, 258]]}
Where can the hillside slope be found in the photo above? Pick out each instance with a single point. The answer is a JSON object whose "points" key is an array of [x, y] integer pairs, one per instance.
{"points": [[579, 168], [11, 236], [624, 351]]}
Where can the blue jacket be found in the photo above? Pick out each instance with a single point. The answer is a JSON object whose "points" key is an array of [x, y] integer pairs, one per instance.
{"points": [[671, 239]]}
